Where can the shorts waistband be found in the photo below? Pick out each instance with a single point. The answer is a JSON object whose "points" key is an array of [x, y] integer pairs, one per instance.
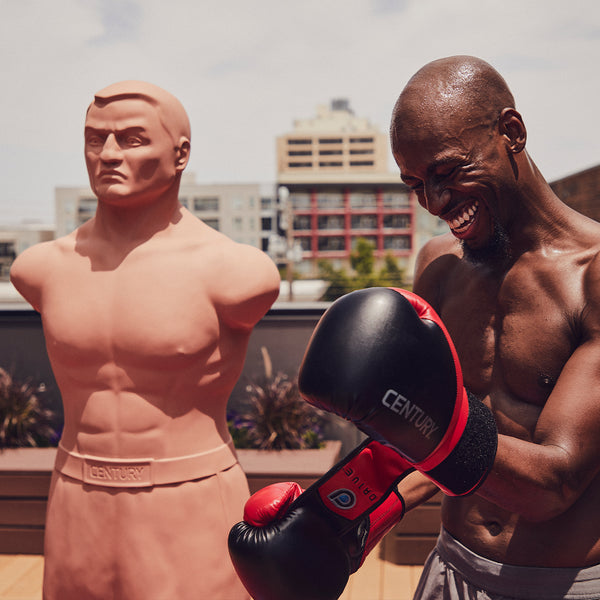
{"points": [[526, 583], [143, 472]]}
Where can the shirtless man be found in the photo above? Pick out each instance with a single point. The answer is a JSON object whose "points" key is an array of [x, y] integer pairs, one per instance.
{"points": [[147, 313], [517, 283]]}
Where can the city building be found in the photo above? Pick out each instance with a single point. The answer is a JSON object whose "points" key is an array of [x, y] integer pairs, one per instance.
{"points": [[335, 141], [245, 212], [14, 239], [333, 170]]}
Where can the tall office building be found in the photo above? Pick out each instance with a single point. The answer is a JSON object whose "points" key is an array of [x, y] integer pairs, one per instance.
{"points": [[335, 141], [334, 171]]}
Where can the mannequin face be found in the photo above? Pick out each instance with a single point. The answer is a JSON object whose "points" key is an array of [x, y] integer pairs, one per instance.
{"points": [[130, 157]]}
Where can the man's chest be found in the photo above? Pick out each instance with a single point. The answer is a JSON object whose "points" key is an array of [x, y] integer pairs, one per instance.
{"points": [[512, 335]]}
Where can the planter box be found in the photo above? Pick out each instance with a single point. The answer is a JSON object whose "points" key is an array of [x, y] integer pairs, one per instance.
{"points": [[264, 467], [24, 485], [25, 482]]}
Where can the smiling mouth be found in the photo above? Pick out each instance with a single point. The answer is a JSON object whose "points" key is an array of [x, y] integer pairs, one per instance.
{"points": [[460, 223]]}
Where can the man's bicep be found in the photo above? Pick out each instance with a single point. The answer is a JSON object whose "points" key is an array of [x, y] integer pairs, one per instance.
{"points": [[570, 419]]}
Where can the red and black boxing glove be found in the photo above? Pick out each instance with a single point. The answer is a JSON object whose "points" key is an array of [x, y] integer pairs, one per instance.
{"points": [[382, 358], [295, 545]]}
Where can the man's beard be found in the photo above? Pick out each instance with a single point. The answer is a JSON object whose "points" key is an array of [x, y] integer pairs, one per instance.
{"points": [[497, 252]]}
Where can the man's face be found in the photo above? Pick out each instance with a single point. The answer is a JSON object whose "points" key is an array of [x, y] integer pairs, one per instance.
{"points": [[129, 155], [458, 174]]}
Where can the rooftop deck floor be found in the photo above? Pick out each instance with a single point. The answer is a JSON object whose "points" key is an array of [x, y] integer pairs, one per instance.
{"points": [[21, 579]]}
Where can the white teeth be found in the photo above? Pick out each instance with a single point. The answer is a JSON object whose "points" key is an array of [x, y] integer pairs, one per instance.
{"points": [[465, 217]]}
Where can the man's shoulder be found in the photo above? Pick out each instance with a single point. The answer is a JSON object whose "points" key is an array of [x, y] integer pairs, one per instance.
{"points": [[445, 243], [443, 247]]}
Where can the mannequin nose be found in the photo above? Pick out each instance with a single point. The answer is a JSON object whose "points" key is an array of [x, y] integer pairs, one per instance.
{"points": [[111, 150]]}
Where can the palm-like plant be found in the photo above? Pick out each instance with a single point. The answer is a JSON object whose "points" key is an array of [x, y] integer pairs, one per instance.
{"points": [[24, 420], [275, 416]]}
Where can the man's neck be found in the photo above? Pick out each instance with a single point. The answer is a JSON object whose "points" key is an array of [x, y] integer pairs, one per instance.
{"points": [[132, 224], [539, 215]]}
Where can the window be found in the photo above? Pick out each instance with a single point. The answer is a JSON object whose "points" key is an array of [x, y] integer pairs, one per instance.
{"points": [[300, 201], [331, 244], [362, 151], [330, 222], [237, 224], [396, 200], [396, 221], [214, 223], [302, 222], [329, 200], [266, 203], [304, 243], [331, 163], [300, 153], [361, 163], [7, 250], [86, 209], [396, 242], [330, 140], [364, 222], [299, 141], [266, 224], [206, 204], [87, 206], [363, 200], [329, 152], [361, 140], [295, 165]]}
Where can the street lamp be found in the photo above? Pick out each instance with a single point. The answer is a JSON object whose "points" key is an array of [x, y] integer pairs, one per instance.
{"points": [[287, 223]]}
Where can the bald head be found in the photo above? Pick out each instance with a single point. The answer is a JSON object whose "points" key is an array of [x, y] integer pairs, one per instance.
{"points": [[171, 113], [456, 86]]}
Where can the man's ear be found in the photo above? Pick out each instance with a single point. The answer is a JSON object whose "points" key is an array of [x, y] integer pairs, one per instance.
{"points": [[513, 129], [182, 154]]}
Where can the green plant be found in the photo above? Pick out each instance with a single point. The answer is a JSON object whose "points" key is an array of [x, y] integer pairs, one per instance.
{"points": [[24, 420], [364, 273], [275, 417]]}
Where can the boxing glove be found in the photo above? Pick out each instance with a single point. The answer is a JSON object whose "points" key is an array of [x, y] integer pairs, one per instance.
{"points": [[382, 358], [295, 545]]}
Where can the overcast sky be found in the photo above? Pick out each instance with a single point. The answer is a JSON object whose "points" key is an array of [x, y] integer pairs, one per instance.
{"points": [[245, 69]]}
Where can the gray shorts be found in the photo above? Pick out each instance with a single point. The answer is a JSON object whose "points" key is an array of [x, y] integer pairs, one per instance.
{"points": [[453, 572]]}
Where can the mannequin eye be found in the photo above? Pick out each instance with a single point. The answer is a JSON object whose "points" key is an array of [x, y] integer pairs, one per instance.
{"points": [[133, 140], [94, 141]]}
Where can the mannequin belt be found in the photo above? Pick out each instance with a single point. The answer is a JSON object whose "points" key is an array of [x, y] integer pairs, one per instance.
{"points": [[143, 472]]}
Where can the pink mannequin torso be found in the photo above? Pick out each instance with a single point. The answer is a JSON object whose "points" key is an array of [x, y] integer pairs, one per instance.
{"points": [[147, 313], [146, 346]]}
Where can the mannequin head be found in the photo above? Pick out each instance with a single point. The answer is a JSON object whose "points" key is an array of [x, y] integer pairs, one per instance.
{"points": [[137, 142]]}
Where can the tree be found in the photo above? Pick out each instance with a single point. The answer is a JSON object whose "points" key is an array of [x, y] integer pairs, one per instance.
{"points": [[391, 275], [362, 261]]}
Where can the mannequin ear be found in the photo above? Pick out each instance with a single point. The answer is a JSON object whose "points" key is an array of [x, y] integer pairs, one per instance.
{"points": [[182, 154], [513, 129]]}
